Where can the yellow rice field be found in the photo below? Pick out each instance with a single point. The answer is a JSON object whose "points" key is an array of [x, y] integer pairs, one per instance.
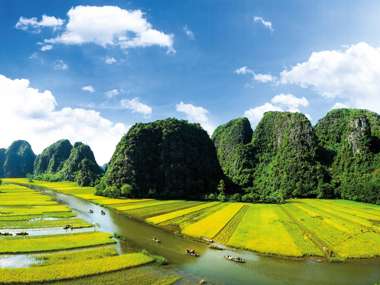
{"points": [[335, 229]]}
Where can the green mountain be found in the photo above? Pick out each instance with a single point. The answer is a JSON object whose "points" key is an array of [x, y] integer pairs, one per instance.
{"points": [[276, 161], [286, 157], [52, 158], [81, 166], [19, 159], [164, 159], [350, 140], [232, 142], [2, 159]]}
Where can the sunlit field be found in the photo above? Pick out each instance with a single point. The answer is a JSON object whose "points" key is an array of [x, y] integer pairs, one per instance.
{"points": [[53, 256], [334, 229]]}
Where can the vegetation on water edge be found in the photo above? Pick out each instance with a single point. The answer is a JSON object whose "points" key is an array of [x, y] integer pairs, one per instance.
{"points": [[71, 270]]}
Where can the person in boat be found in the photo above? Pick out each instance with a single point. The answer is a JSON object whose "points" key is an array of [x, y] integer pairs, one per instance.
{"points": [[102, 212], [156, 240], [91, 211]]}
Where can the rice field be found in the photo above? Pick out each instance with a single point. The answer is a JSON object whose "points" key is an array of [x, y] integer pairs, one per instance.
{"points": [[60, 257], [331, 229]]}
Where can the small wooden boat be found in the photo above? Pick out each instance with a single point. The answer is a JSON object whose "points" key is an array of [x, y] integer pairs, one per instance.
{"points": [[192, 252], [68, 227], [6, 234], [235, 259], [156, 240], [216, 247], [22, 234]]}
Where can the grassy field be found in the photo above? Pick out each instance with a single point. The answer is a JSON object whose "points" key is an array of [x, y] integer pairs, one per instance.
{"points": [[335, 229]]}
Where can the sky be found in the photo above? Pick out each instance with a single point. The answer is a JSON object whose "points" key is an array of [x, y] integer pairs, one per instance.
{"points": [[89, 70]]}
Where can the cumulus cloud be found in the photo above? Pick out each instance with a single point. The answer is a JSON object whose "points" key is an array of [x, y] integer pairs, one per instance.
{"points": [[339, 106], [111, 26], [196, 114], [280, 102], [350, 75], [110, 60], [290, 102], [260, 77], [41, 122], [46, 47], [112, 93], [189, 33], [35, 25], [136, 106], [60, 65], [88, 88], [267, 24]]}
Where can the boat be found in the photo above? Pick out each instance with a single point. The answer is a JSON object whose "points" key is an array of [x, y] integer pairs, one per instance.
{"points": [[215, 246], [235, 259]]}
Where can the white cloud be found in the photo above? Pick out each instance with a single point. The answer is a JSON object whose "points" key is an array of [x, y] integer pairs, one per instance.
{"points": [[261, 77], [196, 114], [290, 102], [110, 60], [339, 106], [60, 65], [112, 93], [88, 88], [34, 25], [111, 26], [189, 33], [244, 70], [267, 24], [280, 102], [136, 106], [39, 121], [255, 114], [46, 47], [350, 75]]}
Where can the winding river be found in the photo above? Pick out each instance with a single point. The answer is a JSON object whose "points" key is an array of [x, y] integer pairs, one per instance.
{"points": [[211, 266]]}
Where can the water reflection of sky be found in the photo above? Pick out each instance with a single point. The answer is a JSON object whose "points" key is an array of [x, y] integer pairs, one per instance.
{"points": [[17, 261]]}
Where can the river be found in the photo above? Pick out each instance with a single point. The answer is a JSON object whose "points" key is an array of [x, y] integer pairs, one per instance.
{"points": [[211, 266]]}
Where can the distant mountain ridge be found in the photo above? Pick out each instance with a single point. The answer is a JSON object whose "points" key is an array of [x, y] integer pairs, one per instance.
{"points": [[284, 157]]}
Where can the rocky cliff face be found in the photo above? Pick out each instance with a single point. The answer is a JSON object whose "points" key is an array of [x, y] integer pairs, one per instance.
{"points": [[81, 166], [351, 137], [52, 158], [19, 160], [286, 156], [232, 143], [163, 159]]}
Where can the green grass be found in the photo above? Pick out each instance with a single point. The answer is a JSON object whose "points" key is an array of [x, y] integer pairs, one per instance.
{"points": [[72, 270], [50, 243]]}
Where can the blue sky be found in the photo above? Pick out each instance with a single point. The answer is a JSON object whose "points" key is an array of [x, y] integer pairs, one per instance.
{"points": [[206, 61]]}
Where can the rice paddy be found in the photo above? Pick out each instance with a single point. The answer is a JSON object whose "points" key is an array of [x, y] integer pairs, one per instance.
{"points": [[48, 256], [331, 229]]}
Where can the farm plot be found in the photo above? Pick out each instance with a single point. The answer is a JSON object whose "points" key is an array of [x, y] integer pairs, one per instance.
{"points": [[158, 219], [71, 270], [210, 226], [159, 209], [9, 245], [343, 237], [42, 223], [264, 228]]}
